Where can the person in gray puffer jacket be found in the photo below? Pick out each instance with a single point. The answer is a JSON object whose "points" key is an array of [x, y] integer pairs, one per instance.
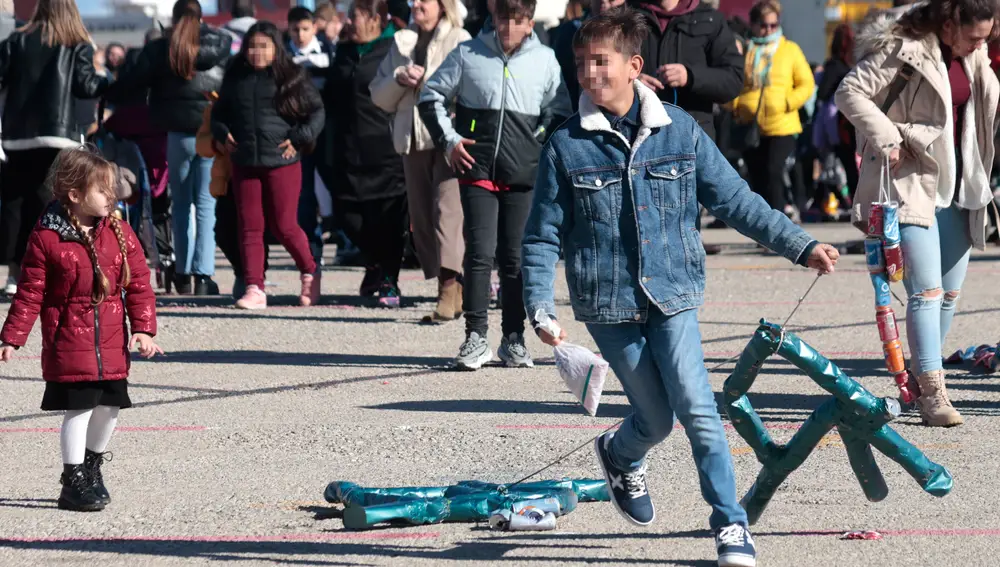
{"points": [[508, 92]]}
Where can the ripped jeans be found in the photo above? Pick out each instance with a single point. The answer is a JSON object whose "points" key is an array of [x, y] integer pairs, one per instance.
{"points": [[936, 260]]}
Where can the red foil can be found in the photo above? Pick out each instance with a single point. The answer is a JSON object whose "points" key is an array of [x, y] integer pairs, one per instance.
{"points": [[876, 219], [887, 329], [909, 392], [894, 357], [893, 262]]}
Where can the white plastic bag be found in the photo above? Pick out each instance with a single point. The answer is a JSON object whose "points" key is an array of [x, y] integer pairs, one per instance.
{"points": [[583, 371]]}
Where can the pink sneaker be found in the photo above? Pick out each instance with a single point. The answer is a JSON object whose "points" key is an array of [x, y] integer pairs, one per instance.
{"points": [[310, 293], [253, 299]]}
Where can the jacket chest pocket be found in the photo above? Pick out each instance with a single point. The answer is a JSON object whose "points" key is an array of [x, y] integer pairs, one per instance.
{"points": [[669, 182], [596, 193], [697, 33]]}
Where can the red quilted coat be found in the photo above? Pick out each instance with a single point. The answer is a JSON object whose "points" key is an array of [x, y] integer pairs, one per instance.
{"points": [[80, 342]]}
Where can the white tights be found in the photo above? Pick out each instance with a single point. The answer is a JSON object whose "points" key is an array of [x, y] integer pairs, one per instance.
{"points": [[86, 429]]}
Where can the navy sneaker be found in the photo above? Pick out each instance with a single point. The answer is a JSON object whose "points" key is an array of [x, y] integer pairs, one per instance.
{"points": [[735, 546], [627, 488]]}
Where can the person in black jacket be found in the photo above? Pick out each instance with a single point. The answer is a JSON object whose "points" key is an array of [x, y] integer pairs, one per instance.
{"points": [[369, 189], [690, 57], [44, 67], [691, 60], [178, 70], [267, 114], [834, 70]]}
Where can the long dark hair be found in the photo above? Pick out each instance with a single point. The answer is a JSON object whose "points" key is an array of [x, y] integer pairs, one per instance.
{"points": [[930, 17], [842, 46], [185, 37], [291, 79]]}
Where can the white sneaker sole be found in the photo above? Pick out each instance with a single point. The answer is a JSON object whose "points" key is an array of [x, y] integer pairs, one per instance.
{"points": [[607, 479], [737, 560], [511, 363], [487, 356], [10, 290]]}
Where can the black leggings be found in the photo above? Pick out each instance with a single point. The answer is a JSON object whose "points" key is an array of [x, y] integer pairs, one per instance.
{"points": [[378, 228], [767, 168], [25, 196], [494, 228]]}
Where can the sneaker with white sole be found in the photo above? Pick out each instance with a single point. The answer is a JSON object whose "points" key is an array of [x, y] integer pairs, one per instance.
{"points": [[626, 487], [11, 288], [735, 546], [514, 353], [254, 299], [474, 353]]}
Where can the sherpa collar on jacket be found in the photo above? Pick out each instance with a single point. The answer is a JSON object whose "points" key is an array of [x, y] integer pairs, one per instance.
{"points": [[651, 115]]}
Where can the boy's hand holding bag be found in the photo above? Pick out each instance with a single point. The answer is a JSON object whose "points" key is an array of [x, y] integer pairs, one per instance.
{"points": [[583, 371]]}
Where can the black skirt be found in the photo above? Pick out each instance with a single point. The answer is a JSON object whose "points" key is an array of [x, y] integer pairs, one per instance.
{"points": [[75, 396]]}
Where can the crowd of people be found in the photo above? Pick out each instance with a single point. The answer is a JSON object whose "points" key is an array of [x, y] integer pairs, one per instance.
{"points": [[482, 142]]}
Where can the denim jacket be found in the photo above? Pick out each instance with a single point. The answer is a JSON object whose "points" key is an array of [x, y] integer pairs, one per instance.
{"points": [[626, 213]]}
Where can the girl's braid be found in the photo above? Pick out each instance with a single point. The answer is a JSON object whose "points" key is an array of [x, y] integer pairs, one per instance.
{"points": [[126, 272], [101, 284]]}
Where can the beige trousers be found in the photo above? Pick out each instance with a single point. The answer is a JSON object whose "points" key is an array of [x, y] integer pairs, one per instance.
{"points": [[435, 212]]}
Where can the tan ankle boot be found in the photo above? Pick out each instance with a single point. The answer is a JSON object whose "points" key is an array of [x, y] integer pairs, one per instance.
{"points": [[459, 306], [935, 407], [448, 306]]}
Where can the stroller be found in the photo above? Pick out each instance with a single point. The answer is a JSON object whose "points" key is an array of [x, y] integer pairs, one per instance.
{"points": [[144, 212], [134, 195]]}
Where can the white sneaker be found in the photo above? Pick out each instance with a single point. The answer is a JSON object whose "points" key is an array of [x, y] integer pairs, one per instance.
{"points": [[11, 288]]}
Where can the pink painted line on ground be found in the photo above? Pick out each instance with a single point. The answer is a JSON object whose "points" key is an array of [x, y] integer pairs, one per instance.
{"points": [[919, 532], [875, 354], [148, 429], [169, 308], [740, 303], [602, 427], [332, 536]]}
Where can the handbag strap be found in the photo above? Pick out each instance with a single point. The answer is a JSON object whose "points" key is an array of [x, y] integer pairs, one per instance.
{"points": [[896, 87]]}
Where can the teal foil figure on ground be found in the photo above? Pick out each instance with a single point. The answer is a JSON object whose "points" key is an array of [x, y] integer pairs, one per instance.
{"points": [[860, 418], [467, 501]]}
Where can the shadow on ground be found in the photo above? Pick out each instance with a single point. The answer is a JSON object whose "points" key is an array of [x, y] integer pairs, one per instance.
{"points": [[562, 549]]}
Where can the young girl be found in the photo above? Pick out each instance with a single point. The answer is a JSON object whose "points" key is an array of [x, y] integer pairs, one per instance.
{"points": [[267, 114], [78, 265]]}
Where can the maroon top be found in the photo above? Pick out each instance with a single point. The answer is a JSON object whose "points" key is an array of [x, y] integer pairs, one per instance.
{"points": [[961, 90]]}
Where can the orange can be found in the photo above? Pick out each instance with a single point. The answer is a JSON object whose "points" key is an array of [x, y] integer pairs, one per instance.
{"points": [[894, 357]]}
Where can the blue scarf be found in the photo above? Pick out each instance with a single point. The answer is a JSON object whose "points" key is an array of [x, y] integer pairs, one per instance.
{"points": [[759, 48]]}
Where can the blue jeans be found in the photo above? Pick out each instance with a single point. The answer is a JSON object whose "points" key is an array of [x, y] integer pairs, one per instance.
{"points": [[189, 177], [935, 262], [309, 208], [661, 366]]}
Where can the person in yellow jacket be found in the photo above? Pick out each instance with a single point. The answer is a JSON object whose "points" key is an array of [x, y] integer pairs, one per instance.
{"points": [[778, 81]]}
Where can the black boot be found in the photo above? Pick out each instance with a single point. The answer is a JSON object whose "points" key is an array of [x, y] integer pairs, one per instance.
{"points": [[92, 462], [77, 494], [204, 285], [182, 282]]}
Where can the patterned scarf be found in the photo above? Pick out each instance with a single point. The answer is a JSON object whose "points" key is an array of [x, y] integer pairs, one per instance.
{"points": [[759, 59]]}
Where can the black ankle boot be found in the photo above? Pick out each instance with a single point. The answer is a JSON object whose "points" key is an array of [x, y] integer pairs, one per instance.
{"points": [[92, 462], [204, 285], [182, 283], [77, 494]]}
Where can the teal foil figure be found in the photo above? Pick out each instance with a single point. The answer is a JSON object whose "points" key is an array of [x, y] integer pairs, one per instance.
{"points": [[467, 501], [861, 419]]}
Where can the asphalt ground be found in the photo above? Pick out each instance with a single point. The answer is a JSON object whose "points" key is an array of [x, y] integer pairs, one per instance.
{"points": [[238, 429]]}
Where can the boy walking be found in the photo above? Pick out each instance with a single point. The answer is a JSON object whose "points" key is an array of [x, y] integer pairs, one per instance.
{"points": [[619, 187], [508, 91], [315, 55]]}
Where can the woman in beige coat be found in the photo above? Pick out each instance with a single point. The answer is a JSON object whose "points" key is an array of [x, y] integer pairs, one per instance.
{"points": [[431, 186], [937, 141]]}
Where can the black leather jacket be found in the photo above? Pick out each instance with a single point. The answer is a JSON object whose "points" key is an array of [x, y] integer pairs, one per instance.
{"points": [[41, 83], [176, 104]]}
